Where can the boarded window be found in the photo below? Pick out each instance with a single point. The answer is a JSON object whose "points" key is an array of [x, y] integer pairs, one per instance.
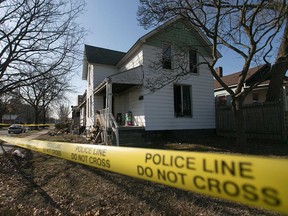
{"points": [[182, 100], [193, 61], [166, 56]]}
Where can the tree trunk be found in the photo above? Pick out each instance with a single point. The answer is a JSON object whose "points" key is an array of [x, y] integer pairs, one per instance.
{"points": [[279, 69], [278, 74], [44, 116], [36, 118], [241, 138]]}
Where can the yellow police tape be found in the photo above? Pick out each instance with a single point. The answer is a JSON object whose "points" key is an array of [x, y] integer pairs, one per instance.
{"points": [[36, 125], [4, 125], [256, 181]]}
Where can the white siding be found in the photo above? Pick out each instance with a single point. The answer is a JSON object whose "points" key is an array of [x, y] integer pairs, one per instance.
{"points": [[159, 106], [155, 111], [101, 72], [89, 96], [133, 62], [82, 116], [96, 74], [129, 101]]}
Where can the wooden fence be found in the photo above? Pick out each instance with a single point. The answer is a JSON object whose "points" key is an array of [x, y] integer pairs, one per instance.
{"points": [[262, 120]]}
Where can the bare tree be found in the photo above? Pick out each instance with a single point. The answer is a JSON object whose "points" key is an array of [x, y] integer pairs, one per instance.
{"points": [[63, 112], [248, 28], [280, 67], [44, 92], [37, 37]]}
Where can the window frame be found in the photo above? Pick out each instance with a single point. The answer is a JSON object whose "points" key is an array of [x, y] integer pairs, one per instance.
{"points": [[183, 113]]}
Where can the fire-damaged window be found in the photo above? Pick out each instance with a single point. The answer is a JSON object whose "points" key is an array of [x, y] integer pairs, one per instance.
{"points": [[193, 61], [166, 56], [182, 101]]}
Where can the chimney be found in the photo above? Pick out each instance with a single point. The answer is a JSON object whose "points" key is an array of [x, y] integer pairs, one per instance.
{"points": [[219, 71]]}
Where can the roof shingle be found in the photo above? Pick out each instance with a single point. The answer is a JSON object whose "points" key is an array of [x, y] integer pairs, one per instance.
{"points": [[103, 56], [232, 79]]}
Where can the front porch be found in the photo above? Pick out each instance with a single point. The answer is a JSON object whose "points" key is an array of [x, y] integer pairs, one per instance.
{"points": [[121, 96], [111, 133]]}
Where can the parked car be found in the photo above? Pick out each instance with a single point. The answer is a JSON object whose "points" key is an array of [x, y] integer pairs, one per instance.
{"points": [[16, 129]]}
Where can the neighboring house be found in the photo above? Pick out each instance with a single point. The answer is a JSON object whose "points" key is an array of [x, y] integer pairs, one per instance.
{"points": [[82, 109], [255, 96], [75, 120], [10, 119], [117, 80]]}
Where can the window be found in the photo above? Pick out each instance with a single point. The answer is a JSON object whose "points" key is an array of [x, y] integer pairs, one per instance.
{"points": [[182, 100], [221, 100], [166, 56], [193, 61], [255, 97]]}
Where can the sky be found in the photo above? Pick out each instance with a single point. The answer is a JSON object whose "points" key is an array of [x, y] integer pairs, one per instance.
{"points": [[113, 24]]}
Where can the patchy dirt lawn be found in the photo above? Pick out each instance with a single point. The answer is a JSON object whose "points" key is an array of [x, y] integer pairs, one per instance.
{"points": [[44, 185]]}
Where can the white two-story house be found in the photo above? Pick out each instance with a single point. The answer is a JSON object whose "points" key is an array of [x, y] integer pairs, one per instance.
{"points": [[118, 82]]}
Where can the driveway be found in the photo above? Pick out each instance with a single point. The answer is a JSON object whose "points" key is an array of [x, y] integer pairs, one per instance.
{"points": [[8, 146]]}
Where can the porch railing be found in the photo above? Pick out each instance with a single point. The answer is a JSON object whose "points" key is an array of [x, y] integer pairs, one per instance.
{"points": [[108, 124], [131, 76]]}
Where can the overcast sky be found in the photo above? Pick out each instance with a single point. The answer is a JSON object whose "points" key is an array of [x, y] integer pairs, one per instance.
{"points": [[113, 24]]}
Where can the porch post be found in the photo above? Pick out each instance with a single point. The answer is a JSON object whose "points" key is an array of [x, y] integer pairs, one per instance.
{"points": [[108, 107], [109, 95]]}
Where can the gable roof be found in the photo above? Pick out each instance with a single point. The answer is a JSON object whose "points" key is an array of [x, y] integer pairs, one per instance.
{"points": [[104, 56], [98, 55], [253, 74], [144, 38]]}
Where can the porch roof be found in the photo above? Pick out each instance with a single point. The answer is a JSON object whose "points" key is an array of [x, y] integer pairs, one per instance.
{"points": [[116, 88], [121, 81]]}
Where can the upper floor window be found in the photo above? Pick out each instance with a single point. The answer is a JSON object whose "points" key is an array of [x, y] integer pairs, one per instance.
{"points": [[193, 61], [166, 56], [182, 100]]}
